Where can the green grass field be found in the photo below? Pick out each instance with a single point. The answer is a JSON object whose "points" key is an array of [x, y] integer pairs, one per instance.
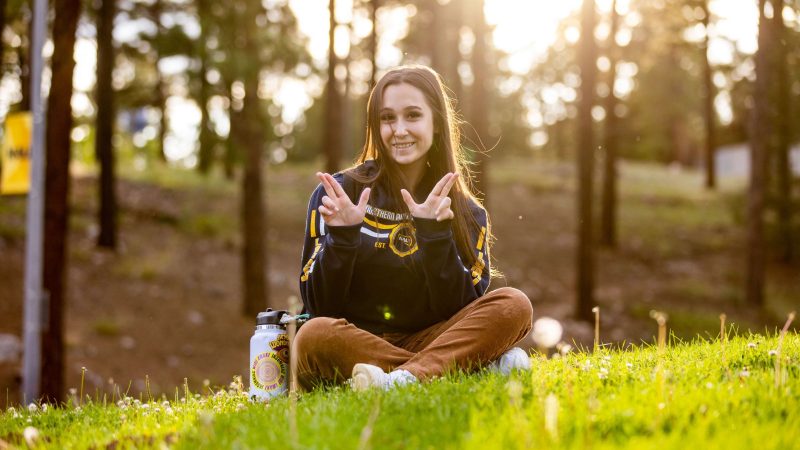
{"points": [[704, 394]]}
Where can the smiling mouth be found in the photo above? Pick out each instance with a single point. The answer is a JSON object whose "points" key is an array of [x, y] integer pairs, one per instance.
{"points": [[402, 146]]}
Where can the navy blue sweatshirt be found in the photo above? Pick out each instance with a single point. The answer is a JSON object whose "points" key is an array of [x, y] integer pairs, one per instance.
{"points": [[392, 272]]}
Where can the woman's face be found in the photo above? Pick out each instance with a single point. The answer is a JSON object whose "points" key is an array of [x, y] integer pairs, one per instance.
{"points": [[406, 124]]}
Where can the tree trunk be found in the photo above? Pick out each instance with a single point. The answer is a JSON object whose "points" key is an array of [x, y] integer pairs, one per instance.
{"points": [[59, 126], [347, 103], [161, 98], [231, 144], [761, 132], [710, 92], [783, 135], [253, 254], [479, 100], [24, 56], [609, 209], [2, 23], [587, 55], [105, 122], [250, 137], [332, 142], [373, 40], [205, 157]]}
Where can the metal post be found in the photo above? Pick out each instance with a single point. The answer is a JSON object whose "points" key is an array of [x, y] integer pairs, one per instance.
{"points": [[32, 362]]}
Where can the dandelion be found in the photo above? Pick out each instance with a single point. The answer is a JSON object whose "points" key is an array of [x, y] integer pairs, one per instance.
{"points": [[32, 408], [772, 352], [604, 371], [31, 436], [744, 373], [563, 348], [45, 407], [629, 365], [751, 345], [547, 332]]}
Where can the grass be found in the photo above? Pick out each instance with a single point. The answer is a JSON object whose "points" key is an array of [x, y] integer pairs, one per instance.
{"points": [[707, 393]]}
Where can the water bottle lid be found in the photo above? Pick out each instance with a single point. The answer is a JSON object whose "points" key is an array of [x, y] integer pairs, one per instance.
{"points": [[270, 317]]}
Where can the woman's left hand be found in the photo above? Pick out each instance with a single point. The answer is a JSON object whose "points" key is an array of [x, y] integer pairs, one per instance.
{"points": [[437, 205]]}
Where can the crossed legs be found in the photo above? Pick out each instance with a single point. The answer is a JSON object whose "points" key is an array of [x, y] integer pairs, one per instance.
{"points": [[327, 348]]}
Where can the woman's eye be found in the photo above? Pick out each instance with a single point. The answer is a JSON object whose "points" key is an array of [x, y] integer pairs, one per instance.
{"points": [[387, 118], [414, 115]]}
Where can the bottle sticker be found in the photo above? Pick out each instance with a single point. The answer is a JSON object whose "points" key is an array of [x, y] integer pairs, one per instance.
{"points": [[268, 371]]}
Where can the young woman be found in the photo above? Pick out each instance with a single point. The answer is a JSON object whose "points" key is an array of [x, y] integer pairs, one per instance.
{"points": [[396, 258]]}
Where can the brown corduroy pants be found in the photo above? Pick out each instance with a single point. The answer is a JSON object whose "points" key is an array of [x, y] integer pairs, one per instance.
{"points": [[327, 348]]}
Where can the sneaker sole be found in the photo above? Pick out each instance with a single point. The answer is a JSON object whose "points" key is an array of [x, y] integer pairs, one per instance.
{"points": [[362, 378]]}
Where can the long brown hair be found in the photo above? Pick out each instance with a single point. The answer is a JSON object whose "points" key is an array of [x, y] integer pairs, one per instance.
{"points": [[445, 155]]}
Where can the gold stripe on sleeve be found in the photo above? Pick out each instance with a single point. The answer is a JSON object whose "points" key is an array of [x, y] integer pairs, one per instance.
{"points": [[313, 224], [310, 263], [480, 238]]}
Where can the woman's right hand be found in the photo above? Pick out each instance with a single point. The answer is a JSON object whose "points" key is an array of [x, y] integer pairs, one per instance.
{"points": [[336, 208]]}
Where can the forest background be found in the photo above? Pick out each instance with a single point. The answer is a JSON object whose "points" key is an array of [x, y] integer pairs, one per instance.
{"points": [[634, 155]]}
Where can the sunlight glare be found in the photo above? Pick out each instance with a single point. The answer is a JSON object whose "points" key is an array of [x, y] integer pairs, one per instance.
{"points": [[526, 28]]}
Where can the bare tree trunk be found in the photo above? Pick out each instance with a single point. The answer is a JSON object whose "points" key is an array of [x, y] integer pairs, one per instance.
{"points": [[609, 208], [332, 141], [761, 132], [250, 137], [2, 23], [105, 121], [373, 40], [253, 254], [231, 150], [205, 157], [587, 54], [24, 56], [161, 98], [710, 92], [479, 100], [59, 126], [783, 135]]}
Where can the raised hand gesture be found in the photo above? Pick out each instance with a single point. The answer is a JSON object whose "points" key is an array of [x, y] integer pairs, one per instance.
{"points": [[437, 205], [336, 208]]}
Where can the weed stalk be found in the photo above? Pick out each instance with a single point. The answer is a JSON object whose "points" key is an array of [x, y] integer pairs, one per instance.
{"points": [[291, 329], [723, 340], [147, 388], [83, 378], [596, 311], [778, 374], [661, 320], [366, 432]]}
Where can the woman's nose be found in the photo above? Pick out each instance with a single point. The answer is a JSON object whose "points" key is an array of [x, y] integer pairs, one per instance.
{"points": [[400, 129]]}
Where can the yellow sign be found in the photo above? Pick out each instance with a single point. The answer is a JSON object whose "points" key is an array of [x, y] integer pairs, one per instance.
{"points": [[15, 154]]}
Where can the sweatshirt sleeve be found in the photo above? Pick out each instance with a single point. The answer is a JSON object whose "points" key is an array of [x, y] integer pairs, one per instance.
{"points": [[329, 255], [451, 284]]}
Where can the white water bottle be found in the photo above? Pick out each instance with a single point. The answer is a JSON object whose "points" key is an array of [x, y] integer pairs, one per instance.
{"points": [[269, 356]]}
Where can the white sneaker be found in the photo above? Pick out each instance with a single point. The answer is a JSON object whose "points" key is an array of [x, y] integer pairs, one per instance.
{"points": [[513, 359], [367, 376]]}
